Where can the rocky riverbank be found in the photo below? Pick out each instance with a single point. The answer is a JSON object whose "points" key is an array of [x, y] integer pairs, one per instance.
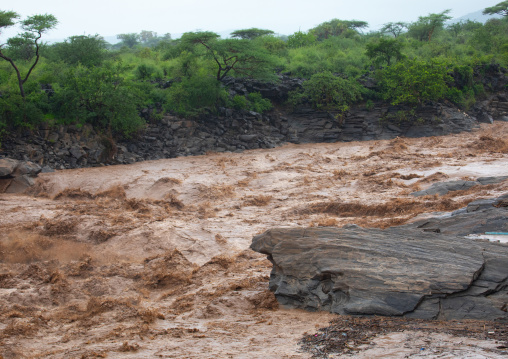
{"points": [[230, 130]]}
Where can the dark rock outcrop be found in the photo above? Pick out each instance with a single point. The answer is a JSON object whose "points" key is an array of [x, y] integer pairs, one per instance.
{"points": [[231, 131], [423, 270]]}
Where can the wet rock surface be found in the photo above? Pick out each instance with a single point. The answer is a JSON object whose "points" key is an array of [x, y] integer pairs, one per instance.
{"points": [[443, 188], [426, 270]]}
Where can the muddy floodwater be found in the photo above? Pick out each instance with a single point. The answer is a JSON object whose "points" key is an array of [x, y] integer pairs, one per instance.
{"points": [[152, 260]]}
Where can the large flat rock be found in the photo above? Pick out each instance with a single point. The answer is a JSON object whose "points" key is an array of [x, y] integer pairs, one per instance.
{"points": [[399, 271]]}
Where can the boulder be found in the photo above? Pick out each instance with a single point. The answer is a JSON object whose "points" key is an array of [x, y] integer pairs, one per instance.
{"points": [[442, 188], [7, 166], [401, 271], [16, 176], [19, 184], [248, 138], [491, 179], [27, 168]]}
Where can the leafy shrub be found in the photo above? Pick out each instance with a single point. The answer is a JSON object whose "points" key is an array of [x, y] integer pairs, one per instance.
{"points": [[336, 54], [252, 102], [258, 103], [326, 91], [464, 98], [193, 95], [239, 102], [300, 39], [85, 50], [147, 72], [16, 112], [414, 81], [100, 96], [272, 44]]}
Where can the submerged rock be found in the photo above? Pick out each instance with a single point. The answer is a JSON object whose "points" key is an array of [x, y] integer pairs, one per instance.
{"points": [[442, 188]]}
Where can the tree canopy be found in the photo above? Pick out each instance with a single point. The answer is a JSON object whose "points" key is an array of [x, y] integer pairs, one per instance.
{"points": [[500, 9], [87, 50], [301, 39], [337, 27], [426, 26], [383, 50], [34, 27], [251, 33], [7, 19], [239, 56], [394, 28], [130, 40]]}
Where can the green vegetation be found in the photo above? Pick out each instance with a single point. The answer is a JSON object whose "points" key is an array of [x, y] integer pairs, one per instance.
{"points": [[328, 92], [34, 27], [500, 9], [85, 80], [251, 34], [383, 50], [413, 81], [427, 26]]}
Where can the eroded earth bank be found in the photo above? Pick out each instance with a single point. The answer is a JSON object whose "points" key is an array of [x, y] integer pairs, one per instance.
{"points": [[152, 259]]}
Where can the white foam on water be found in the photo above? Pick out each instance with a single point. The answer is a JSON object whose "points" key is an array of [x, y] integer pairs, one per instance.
{"points": [[501, 238]]}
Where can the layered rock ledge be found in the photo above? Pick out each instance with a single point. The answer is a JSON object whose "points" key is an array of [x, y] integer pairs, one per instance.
{"points": [[423, 270]]}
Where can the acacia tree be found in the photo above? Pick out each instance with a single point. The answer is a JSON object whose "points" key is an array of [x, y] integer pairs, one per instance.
{"points": [[337, 27], [394, 28], [34, 27], [426, 26], [500, 9], [251, 34], [240, 56]]}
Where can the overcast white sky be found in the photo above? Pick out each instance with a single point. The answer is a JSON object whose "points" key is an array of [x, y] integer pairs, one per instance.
{"points": [[111, 17]]}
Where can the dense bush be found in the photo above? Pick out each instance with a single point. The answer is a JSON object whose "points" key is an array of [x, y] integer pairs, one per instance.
{"points": [[328, 92], [252, 102], [414, 81], [85, 50], [194, 95], [100, 96]]}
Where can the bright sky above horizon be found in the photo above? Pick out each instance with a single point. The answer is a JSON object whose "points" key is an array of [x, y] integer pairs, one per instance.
{"points": [[112, 17]]}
